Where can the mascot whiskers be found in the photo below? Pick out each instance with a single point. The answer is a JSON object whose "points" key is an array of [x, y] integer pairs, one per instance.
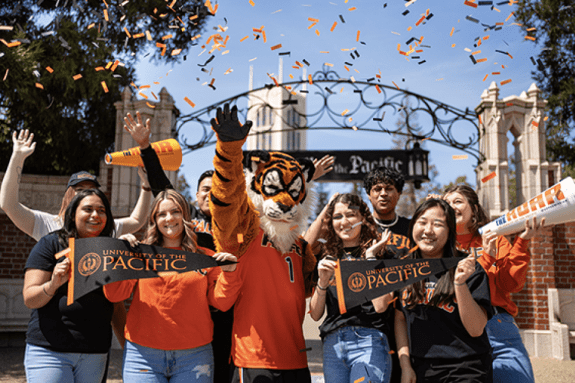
{"points": [[258, 216]]}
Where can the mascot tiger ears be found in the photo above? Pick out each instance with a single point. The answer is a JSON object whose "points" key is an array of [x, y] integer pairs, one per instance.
{"points": [[273, 195]]}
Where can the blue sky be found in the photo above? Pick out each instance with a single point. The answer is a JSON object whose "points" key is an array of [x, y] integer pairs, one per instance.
{"points": [[448, 75]]}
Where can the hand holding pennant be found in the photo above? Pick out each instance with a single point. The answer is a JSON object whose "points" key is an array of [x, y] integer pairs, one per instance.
{"points": [[361, 281], [98, 261]]}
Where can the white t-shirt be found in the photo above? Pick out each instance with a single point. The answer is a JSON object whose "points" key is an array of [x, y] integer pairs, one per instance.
{"points": [[45, 223]]}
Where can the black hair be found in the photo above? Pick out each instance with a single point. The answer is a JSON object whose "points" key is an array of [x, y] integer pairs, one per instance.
{"points": [[384, 175], [69, 228], [204, 175], [444, 290]]}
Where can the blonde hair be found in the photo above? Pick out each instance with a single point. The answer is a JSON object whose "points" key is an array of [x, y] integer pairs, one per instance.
{"points": [[153, 235]]}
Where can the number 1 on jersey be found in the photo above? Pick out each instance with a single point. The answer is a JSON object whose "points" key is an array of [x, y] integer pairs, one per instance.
{"points": [[290, 268]]}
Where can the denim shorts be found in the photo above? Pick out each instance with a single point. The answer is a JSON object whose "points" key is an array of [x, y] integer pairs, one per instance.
{"points": [[351, 353]]}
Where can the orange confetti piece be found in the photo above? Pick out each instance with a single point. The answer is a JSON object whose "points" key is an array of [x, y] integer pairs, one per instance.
{"points": [[470, 3], [291, 76], [106, 15], [115, 65], [13, 44], [505, 82], [189, 102], [328, 64], [333, 26], [395, 85], [91, 26], [143, 95], [476, 52], [535, 124], [63, 253], [482, 60], [377, 88], [104, 86], [127, 33], [50, 70], [243, 38], [420, 21], [313, 20], [488, 177], [452, 45], [264, 36], [346, 68], [77, 77], [495, 73], [357, 36], [153, 94], [546, 118], [531, 29], [252, 3], [240, 238], [99, 68], [452, 30], [38, 85], [309, 79], [459, 157], [148, 36], [167, 37], [359, 380], [150, 105], [391, 352], [344, 112], [144, 86], [530, 38], [317, 32], [510, 15], [138, 35], [413, 249], [485, 78]]}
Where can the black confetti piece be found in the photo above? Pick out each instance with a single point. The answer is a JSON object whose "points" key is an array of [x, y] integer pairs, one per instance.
{"points": [[473, 59], [207, 62], [421, 62], [341, 18], [533, 60], [472, 19], [305, 62], [405, 12]]}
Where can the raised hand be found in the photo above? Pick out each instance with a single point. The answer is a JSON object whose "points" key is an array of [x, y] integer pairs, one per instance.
{"points": [[532, 228], [490, 243], [325, 270], [61, 274], [378, 245], [23, 144], [227, 126], [464, 269], [139, 132], [323, 166]]}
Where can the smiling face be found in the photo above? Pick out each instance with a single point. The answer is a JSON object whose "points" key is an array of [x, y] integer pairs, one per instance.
{"points": [[170, 223], [430, 232], [347, 224], [384, 198], [90, 218], [203, 195], [463, 211]]}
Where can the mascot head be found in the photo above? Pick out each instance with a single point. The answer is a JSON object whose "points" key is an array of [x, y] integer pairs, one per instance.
{"points": [[278, 186]]}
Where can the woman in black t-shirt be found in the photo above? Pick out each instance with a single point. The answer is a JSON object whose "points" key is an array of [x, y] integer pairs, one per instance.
{"points": [[67, 343], [440, 329], [355, 344]]}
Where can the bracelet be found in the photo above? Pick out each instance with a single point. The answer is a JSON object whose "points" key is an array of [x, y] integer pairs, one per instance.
{"points": [[459, 284], [146, 188], [322, 288], [45, 292]]}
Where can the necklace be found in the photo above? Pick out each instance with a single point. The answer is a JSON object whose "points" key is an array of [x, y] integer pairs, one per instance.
{"points": [[351, 253], [386, 225]]}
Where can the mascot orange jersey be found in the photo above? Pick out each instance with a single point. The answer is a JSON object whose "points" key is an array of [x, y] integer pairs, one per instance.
{"points": [[257, 217]]}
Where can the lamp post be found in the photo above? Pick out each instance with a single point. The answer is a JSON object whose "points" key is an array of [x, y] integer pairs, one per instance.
{"points": [[417, 165]]}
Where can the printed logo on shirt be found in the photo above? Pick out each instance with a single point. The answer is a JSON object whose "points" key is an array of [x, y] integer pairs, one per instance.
{"points": [[201, 226], [89, 264], [429, 291], [295, 248]]}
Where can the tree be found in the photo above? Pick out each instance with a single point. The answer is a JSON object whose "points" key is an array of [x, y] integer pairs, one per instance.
{"points": [[64, 66], [552, 24]]}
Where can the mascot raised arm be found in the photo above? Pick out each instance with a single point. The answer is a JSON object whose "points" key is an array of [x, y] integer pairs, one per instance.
{"points": [[258, 216]]}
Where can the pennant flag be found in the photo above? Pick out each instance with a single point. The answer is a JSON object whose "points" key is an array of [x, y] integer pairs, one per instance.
{"points": [[361, 281], [98, 261]]}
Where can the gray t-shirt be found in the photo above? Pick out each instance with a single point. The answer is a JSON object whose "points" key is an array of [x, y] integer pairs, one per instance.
{"points": [[45, 223]]}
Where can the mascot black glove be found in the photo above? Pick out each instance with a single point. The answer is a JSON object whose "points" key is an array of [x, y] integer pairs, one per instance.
{"points": [[227, 126]]}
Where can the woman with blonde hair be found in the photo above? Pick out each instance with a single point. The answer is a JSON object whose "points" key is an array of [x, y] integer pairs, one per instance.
{"points": [[169, 329]]}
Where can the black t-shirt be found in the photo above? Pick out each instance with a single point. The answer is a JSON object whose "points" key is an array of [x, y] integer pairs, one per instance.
{"points": [[399, 243], [83, 327], [438, 332], [363, 315]]}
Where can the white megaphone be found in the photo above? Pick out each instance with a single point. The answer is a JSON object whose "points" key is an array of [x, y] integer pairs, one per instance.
{"points": [[556, 205]]}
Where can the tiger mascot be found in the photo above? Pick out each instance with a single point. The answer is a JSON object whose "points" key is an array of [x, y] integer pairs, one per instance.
{"points": [[257, 217]]}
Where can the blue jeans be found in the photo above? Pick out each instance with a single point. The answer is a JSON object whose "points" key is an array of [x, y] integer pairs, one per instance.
{"points": [[44, 366], [511, 362], [150, 365], [351, 353]]}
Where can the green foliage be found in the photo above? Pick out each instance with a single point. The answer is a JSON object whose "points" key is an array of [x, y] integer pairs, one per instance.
{"points": [[552, 23], [74, 120]]}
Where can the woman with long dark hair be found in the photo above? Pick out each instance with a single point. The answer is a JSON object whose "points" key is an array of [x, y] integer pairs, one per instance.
{"points": [[67, 343], [440, 327], [355, 344], [506, 266], [169, 329]]}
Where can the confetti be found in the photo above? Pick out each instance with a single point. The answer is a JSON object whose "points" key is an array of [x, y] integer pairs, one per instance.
{"points": [[530, 38], [38, 85], [77, 77], [49, 69], [357, 37], [352, 9], [321, 240], [278, 46], [459, 157], [252, 3], [104, 86], [505, 82], [150, 105], [317, 32], [470, 3], [489, 177], [240, 238], [359, 380], [309, 79], [344, 112], [535, 124], [395, 85], [485, 78], [510, 15], [413, 249], [333, 26]]}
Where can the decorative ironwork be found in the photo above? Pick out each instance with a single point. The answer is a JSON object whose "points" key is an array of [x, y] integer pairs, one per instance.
{"points": [[368, 109]]}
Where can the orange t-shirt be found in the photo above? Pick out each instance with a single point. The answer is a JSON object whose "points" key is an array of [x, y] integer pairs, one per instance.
{"points": [[507, 271], [169, 312], [269, 296]]}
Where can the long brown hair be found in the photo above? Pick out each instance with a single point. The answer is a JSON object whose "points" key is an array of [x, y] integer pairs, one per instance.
{"points": [[153, 235], [478, 218], [334, 245], [444, 290]]}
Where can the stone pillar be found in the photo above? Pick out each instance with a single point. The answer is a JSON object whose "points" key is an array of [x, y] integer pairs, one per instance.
{"points": [[523, 116], [124, 181]]}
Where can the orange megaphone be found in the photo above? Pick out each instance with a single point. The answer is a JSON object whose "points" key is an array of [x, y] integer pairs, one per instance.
{"points": [[169, 152]]}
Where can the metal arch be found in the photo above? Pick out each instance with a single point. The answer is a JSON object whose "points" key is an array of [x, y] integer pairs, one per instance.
{"points": [[371, 102]]}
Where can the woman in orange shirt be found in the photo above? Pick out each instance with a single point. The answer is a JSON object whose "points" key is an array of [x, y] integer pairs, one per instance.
{"points": [[169, 329], [506, 266]]}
